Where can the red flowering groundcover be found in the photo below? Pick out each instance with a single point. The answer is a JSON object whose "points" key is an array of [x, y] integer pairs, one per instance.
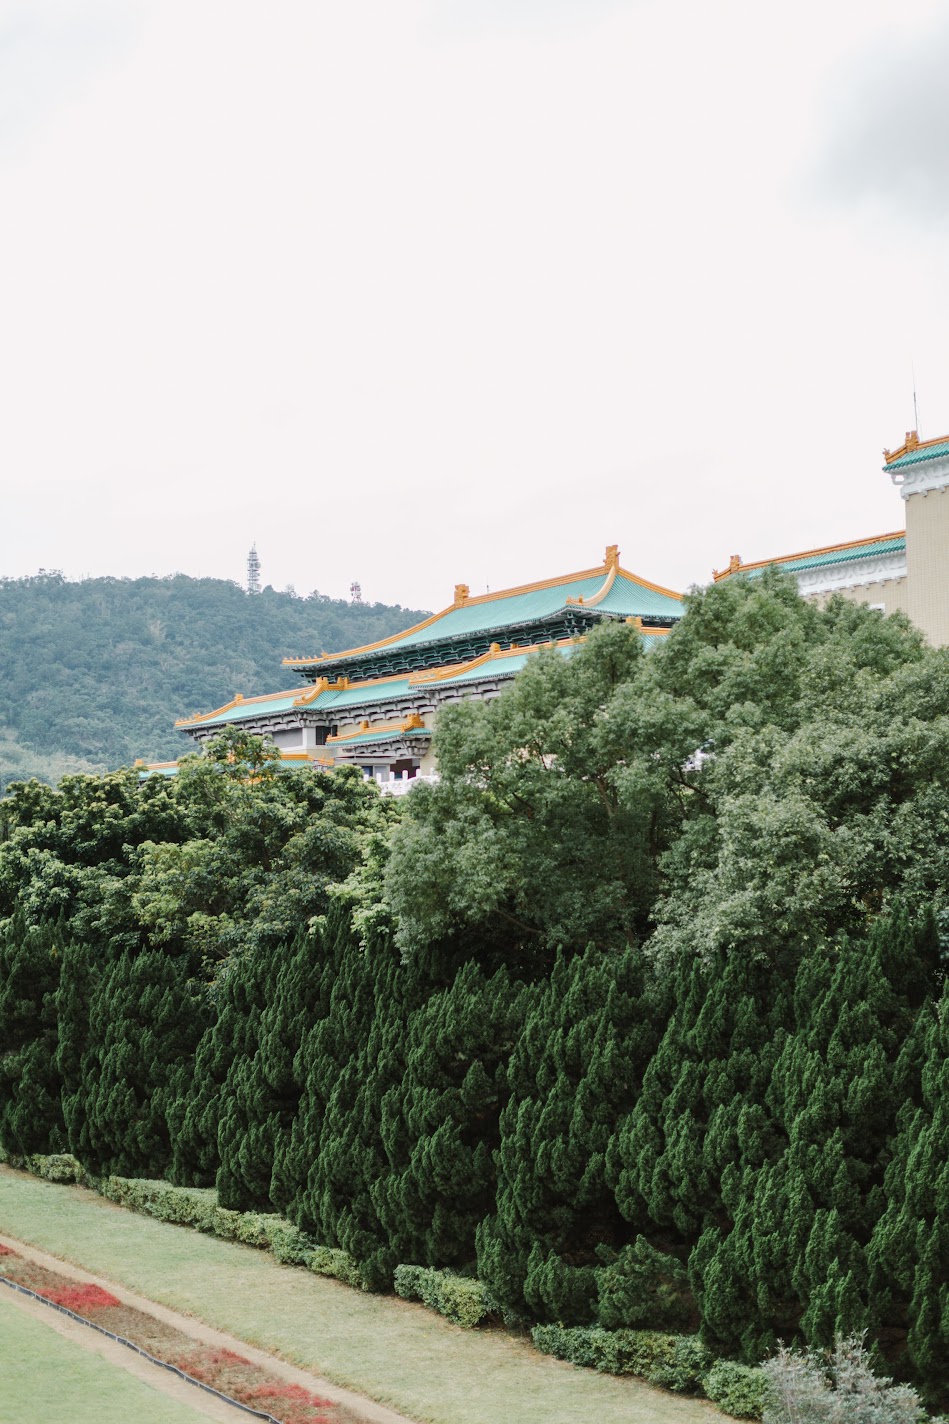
{"points": [[81, 1298], [223, 1370]]}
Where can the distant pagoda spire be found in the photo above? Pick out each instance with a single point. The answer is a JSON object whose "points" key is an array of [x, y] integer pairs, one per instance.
{"points": [[253, 571]]}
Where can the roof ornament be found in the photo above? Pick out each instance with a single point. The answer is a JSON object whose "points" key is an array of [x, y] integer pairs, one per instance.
{"points": [[462, 592], [611, 557], [311, 693]]}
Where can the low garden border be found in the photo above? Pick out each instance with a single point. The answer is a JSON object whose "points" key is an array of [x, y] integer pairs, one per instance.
{"points": [[130, 1345]]}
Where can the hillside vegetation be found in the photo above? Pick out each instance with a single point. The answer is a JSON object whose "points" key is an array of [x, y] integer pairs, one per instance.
{"points": [[94, 674]]}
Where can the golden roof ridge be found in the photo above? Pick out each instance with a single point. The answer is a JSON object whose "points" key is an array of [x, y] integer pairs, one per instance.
{"points": [[238, 700], [739, 567], [912, 443], [463, 599]]}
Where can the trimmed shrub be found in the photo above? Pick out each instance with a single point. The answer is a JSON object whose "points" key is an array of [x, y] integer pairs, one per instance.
{"points": [[677, 1362], [461, 1299], [739, 1390], [290, 1245], [256, 1228], [331, 1261], [198, 1207], [59, 1167], [179, 1205], [224, 1223]]}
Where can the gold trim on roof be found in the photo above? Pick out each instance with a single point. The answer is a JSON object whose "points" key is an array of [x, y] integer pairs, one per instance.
{"points": [[911, 443], [238, 700], [304, 697], [411, 723], [610, 565], [736, 565], [601, 592], [494, 654]]}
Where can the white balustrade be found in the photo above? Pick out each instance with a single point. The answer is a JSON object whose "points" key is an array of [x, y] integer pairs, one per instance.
{"points": [[400, 785]]}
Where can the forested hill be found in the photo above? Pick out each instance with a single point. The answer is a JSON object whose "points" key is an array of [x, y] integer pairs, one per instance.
{"points": [[94, 674]]}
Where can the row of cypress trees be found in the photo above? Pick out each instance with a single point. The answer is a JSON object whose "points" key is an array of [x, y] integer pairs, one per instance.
{"points": [[718, 1148]]}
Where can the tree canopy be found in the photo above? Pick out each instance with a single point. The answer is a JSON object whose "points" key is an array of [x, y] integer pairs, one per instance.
{"points": [[770, 775]]}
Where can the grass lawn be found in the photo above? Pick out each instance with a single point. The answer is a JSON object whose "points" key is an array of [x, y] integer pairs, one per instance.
{"points": [[46, 1380], [397, 1353]]}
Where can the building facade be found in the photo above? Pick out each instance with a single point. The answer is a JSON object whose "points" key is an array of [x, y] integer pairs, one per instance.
{"points": [[375, 706], [905, 571]]}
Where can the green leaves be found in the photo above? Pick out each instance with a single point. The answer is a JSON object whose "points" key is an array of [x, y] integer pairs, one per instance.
{"points": [[546, 824]]}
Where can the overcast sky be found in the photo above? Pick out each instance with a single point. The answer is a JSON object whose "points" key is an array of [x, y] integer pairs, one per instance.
{"points": [[415, 292]]}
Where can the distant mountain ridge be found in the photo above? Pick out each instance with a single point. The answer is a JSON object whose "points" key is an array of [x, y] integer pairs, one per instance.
{"points": [[93, 674]]}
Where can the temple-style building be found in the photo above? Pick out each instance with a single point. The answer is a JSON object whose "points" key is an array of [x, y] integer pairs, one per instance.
{"points": [[375, 706], [906, 570]]}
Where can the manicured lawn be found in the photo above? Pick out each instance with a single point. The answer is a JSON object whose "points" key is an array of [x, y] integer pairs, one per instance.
{"points": [[399, 1354], [45, 1379]]}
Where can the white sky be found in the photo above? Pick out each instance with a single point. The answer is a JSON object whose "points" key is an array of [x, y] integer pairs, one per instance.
{"points": [[422, 291]]}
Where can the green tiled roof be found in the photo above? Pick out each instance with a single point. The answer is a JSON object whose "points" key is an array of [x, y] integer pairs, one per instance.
{"points": [[339, 699], [394, 735], [835, 556], [916, 457], [355, 696], [333, 698], [529, 615], [626, 597], [242, 711], [496, 667]]}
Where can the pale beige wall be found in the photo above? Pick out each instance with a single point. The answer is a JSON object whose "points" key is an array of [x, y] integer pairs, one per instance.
{"points": [[927, 559], [892, 593], [428, 762]]}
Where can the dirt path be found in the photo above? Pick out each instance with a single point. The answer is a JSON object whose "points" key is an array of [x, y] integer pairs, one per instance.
{"points": [[197, 1400], [168, 1383]]}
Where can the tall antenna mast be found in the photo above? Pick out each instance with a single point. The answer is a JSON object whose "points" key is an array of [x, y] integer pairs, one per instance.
{"points": [[253, 571]]}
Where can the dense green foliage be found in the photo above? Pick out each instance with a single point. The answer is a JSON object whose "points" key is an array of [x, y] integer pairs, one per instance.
{"points": [[677, 1362], [95, 673], [460, 1299], [637, 1016]]}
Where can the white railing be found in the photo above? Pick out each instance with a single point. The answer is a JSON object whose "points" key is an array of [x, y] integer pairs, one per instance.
{"points": [[403, 783]]}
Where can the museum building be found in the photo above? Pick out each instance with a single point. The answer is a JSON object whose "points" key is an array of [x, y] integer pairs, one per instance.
{"points": [[375, 706]]}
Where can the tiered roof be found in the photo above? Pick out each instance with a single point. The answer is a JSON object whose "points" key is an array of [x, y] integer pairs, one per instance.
{"points": [[551, 609], [477, 639], [330, 699]]}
